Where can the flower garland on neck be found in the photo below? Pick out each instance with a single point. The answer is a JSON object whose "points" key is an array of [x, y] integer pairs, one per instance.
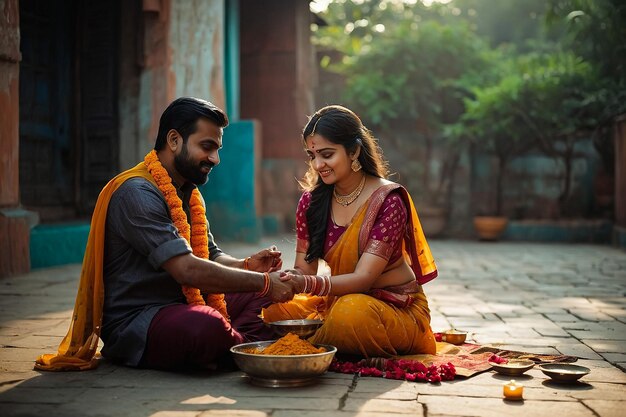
{"points": [[196, 235]]}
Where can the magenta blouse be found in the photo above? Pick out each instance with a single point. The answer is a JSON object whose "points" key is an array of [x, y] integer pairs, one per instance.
{"points": [[385, 239]]}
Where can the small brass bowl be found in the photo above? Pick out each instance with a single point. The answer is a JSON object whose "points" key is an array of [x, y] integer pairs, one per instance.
{"points": [[303, 328], [564, 372], [514, 367], [456, 337]]}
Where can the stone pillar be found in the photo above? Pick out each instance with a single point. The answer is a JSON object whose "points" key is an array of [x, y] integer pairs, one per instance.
{"points": [[155, 90], [14, 224], [278, 73], [182, 54], [196, 44]]}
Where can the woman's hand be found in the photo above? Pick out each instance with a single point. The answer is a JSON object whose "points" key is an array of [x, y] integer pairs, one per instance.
{"points": [[266, 260]]}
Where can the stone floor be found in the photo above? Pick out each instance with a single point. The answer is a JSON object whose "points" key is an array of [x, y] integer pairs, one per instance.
{"points": [[567, 299]]}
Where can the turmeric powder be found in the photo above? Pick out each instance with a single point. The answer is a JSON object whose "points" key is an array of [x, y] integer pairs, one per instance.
{"points": [[290, 344]]}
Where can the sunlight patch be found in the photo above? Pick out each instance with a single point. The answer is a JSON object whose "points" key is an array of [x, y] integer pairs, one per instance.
{"points": [[209, 399]]}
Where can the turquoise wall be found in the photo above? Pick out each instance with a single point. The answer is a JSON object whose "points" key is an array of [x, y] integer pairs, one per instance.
{"points": [[58, 244], [231, 58], [572, 231], [230, 192], [533, 182]]}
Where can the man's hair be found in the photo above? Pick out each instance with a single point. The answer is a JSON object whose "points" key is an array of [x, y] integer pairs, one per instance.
{"points": [[182, 115]]}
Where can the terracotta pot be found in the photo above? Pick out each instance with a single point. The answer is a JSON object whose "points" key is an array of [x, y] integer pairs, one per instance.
{"points": [[490, 227]]}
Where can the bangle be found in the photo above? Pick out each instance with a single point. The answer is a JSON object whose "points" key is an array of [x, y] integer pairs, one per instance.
{"points": [[329, 284], [317, 285], [245, 263], [307, 284], [267, 285], [314, 285]]}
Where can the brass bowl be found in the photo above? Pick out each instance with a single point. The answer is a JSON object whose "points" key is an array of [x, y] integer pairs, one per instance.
{"points": [[514, 367], [281, 370], [564, 372], [303, 328], [456, 337]]}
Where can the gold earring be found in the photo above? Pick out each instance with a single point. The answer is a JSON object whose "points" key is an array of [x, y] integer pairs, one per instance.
{"points": [[356, 165]]}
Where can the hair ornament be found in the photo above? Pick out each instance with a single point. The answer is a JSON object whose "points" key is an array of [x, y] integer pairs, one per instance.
{"points": [[315, 126]]}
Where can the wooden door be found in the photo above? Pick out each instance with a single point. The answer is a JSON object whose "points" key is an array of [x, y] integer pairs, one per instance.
{"points": [[68, 104], [98, 64]]}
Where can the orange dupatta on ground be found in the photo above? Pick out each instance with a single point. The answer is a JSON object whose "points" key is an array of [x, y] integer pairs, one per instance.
{"points": [[77, 351]]}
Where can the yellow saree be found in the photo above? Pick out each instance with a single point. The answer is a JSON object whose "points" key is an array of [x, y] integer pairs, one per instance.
{"points": [[361, 324], [77, 351]]}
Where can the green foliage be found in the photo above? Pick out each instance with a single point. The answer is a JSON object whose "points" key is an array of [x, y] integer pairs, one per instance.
{"points": [[539, 97], [411, 81], [597, 30], [489, 72], [507, 22], [411, 76], [548, 101]]}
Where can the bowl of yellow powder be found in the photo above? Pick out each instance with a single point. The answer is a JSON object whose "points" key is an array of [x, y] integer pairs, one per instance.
{"points": [[286, 362]]}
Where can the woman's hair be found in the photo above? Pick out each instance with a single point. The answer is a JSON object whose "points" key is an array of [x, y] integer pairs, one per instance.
{"points": [[182, 115], [340, 126]]}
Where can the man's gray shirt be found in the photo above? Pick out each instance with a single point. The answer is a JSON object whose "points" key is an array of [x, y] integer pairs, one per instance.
{"points": [[140, 238]]}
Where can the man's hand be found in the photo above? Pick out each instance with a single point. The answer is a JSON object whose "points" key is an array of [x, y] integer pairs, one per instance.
{"points": [[266, 260], [294, 276], [294, 271], [281, 289]]}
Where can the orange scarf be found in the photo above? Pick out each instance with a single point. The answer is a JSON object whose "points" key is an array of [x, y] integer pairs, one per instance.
{"points": [[77, 351], [414, 246], [345, 253]]}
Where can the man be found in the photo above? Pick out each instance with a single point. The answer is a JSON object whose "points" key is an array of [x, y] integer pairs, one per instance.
{"points": [[151, 249]]}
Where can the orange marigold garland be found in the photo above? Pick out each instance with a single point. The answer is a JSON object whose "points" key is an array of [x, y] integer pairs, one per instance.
{"points": [[196, 235]]}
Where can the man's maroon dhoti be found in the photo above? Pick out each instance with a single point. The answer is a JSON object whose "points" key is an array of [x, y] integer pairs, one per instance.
{"points": [[183, 336]]}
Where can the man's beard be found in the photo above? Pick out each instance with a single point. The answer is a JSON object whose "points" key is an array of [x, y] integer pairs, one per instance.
{"points": [[189, 170]]}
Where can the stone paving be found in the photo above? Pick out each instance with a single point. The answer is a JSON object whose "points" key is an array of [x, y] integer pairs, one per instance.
{"points": [[567, 299]]}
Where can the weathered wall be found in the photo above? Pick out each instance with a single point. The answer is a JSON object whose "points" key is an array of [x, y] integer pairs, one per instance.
{"points": [[170, 49], [533, 183], [273, 57], [277, 79], [180, 53], [131, 62], [156, 89], [196, 52], [9, 137], [9, 102], [14, 222], [443, 204]]}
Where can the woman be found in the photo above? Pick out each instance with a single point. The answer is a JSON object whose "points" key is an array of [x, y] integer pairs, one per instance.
{"points": [[366, 228]]}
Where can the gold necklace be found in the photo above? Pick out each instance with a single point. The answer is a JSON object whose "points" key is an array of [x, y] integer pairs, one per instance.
{"points": [[346, 200]]}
